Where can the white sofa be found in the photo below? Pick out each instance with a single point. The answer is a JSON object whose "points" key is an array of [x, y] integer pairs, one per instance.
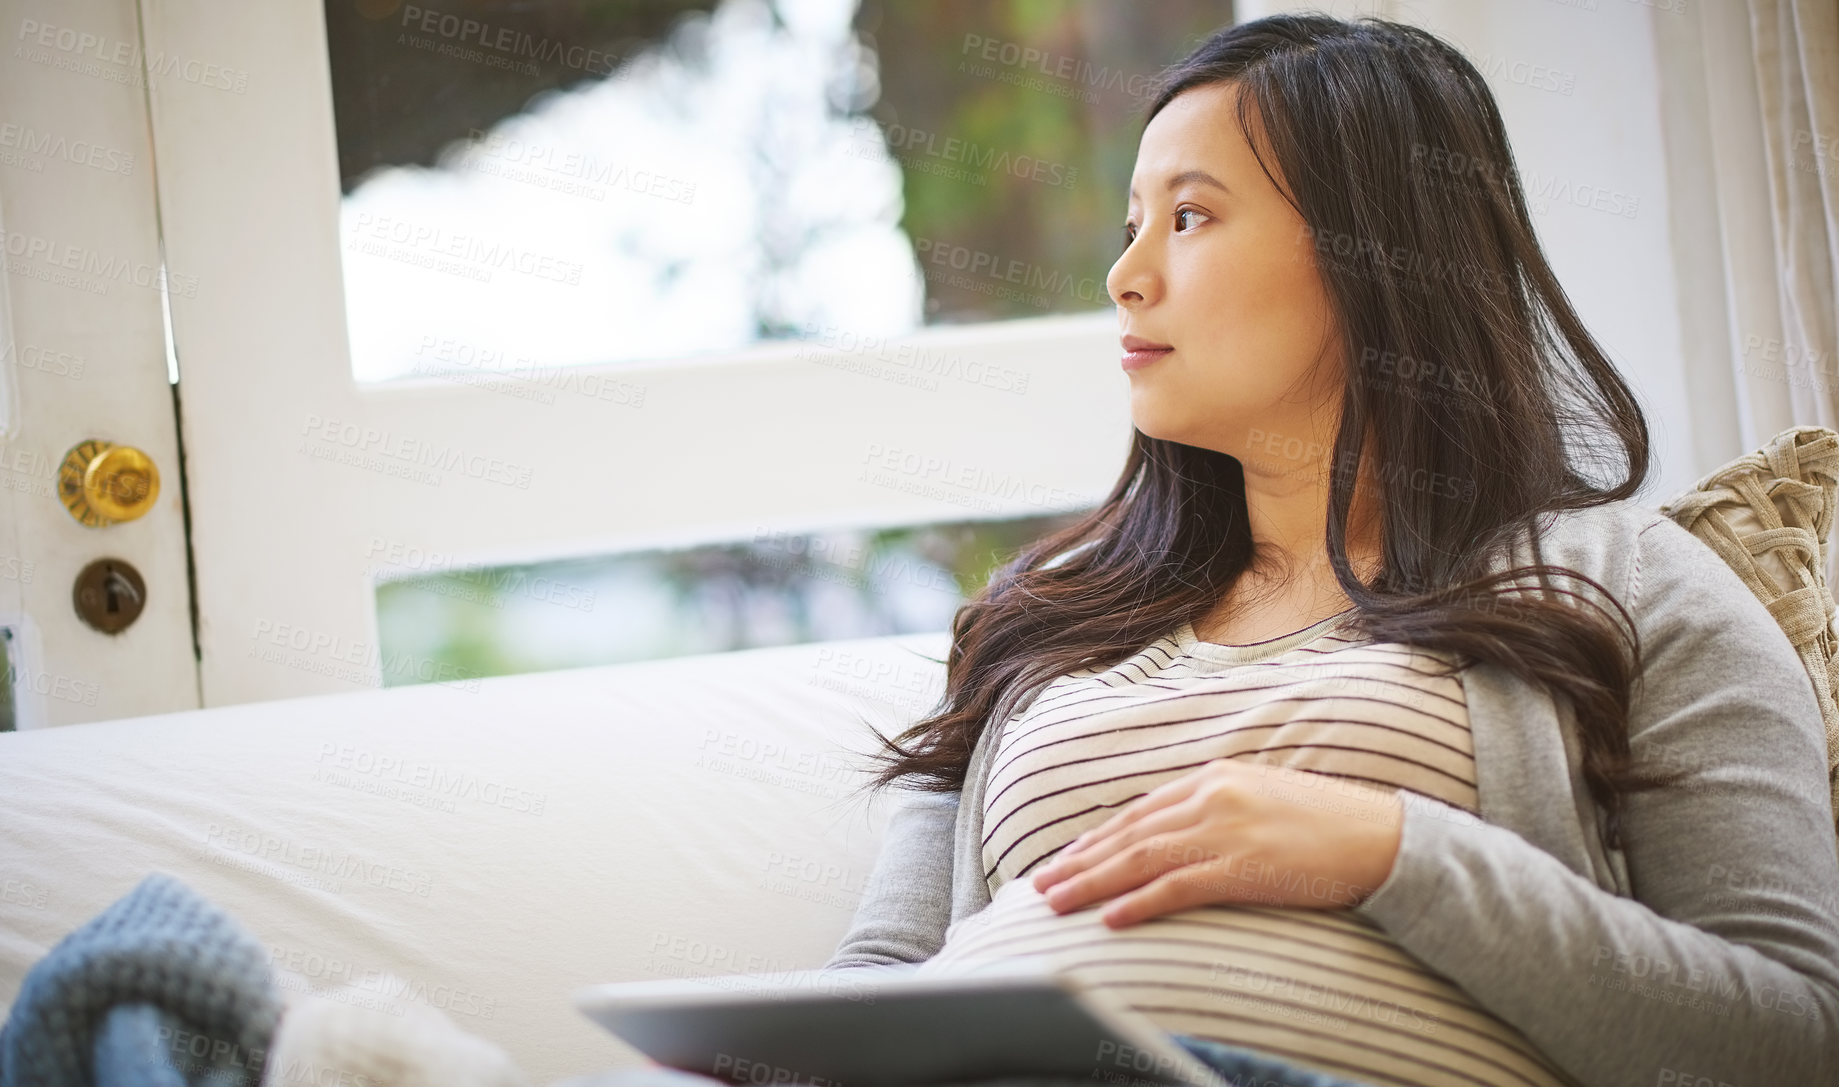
{"points": [[487, 849]]}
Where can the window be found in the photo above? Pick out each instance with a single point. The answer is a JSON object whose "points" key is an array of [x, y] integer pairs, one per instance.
{"points": [[530, 191]]}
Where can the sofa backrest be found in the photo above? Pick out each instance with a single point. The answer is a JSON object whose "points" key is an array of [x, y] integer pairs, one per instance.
{"points": [[487, 848]]}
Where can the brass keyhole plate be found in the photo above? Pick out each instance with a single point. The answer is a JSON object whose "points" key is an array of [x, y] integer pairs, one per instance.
{"points": [[109, 595]]}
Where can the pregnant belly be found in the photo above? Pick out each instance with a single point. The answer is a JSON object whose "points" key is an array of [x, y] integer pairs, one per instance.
{"points": [[1321, 988]]}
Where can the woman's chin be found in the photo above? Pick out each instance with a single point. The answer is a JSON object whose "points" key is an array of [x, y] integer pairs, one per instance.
{"points": [[1156, 424]]}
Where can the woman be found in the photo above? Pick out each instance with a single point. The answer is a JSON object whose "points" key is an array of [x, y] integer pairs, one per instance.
{"points": [[1369, 723]]}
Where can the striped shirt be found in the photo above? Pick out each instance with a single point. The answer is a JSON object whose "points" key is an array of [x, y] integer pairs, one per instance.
{"points": [[1323, 988]]}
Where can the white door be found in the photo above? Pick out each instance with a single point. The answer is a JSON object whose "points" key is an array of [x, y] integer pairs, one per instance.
{"points": [[307, 484], [84, 379]]}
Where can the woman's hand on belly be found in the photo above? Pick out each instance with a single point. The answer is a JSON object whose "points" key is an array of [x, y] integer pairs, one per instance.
{"points": [[1231, 832]]}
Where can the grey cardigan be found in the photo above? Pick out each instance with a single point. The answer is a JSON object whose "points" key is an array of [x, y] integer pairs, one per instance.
{"points": [[1708, 947]]}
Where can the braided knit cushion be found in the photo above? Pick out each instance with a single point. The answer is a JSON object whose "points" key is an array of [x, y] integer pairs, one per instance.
{"points": [[1767, 513], [160, 951]]}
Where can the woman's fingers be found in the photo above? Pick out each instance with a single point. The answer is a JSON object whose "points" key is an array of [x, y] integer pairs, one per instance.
{"points": [[1123, 861], [1169, 792], [1096, 844], [1126, 869], [1176, 889]]}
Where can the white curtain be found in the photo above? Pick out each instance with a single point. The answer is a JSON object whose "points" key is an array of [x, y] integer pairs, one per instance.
{"points": [[1796, 46], [1773, 75]]}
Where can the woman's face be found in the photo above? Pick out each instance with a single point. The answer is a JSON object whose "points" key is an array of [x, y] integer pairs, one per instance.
{"points": [[1220, 270]]}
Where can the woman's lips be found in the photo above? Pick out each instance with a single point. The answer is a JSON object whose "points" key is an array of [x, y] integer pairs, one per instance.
{"points": [[1140, 357]]}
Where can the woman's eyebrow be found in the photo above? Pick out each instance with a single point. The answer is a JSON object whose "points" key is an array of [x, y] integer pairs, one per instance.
{"points": [[1186, 176]]}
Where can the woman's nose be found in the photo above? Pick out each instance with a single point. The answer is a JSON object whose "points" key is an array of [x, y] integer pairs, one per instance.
{"points": [[1128, 283]]}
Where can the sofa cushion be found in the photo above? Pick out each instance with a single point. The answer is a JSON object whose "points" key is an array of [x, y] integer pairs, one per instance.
{"points": [[1768, 514], [484, 848]]}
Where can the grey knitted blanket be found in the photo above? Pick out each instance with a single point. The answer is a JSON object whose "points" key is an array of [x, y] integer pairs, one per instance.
{"points": [[161, 989]]}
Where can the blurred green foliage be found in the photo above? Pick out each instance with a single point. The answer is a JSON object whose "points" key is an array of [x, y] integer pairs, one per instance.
{"points": [[1016, 124], [781, 591]]}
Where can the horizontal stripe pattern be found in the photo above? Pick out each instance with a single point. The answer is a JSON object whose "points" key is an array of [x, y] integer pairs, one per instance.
{"points": [[1320, 987]]}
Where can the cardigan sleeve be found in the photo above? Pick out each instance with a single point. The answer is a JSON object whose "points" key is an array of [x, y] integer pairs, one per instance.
{"points": [[1723, 966], [906, 901]]}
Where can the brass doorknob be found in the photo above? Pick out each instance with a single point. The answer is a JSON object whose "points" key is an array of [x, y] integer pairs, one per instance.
{"points": [[102, 483]]}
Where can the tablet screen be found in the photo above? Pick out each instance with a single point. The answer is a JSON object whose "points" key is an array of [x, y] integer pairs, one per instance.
{"points": [[824, 1029]]}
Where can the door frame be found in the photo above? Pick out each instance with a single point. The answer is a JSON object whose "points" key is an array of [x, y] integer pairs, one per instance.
{"points": [[83, 344]]}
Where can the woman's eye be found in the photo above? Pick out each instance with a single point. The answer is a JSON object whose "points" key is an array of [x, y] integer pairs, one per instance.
{"points": [[1130, 234], [1185, 211]]}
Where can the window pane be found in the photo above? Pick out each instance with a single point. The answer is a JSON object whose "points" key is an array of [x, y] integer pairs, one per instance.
{"points": [[9, 714], [445, 624], [535, 186]]}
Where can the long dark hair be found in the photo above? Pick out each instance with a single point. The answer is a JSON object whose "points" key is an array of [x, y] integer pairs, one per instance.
{"points": [[1488, 403]]}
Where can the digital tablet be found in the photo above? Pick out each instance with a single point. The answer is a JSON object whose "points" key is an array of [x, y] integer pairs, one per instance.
{"points": [[888, 1027]]}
